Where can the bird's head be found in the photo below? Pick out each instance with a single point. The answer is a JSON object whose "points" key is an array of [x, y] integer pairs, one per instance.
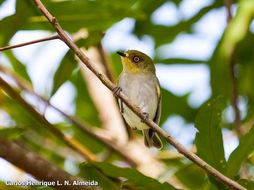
{"points": [[134, 61]]}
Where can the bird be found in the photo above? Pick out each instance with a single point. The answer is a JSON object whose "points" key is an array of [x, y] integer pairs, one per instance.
{"points": [[139, 83]]}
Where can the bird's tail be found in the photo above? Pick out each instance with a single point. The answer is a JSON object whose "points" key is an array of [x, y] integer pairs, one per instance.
{"points": [[151, 138]]}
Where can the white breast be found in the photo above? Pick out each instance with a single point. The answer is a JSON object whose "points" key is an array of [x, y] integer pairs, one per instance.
{"points": [[141, 90]]}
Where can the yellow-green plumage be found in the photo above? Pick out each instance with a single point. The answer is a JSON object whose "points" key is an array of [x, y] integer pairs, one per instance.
{"points": [[140, 84]]}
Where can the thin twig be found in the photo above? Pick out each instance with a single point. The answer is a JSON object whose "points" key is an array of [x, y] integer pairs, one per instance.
{"points": [[37, 166], [235, 96], [54, 37], [24, 85], [72, 143], [105, 63], [229, 11], [218, 175], [233, 75]]}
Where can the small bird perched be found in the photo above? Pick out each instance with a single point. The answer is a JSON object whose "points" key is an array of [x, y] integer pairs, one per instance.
{"points": [[140, 84]]}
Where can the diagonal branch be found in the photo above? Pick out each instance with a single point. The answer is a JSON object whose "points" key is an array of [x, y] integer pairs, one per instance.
{"points": [[72, 143], [54, 37], [37, 166], [124, 98]]}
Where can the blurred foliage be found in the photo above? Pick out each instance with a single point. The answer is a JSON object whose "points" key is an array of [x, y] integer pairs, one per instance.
{"points": [[192, 177], [115, 175], [236, 31], [241, 153], [209, 135], [96, 17], [247, 184]]}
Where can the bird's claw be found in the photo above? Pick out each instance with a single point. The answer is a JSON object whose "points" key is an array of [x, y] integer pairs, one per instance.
{"points": [[146, 115], [117, 90]]}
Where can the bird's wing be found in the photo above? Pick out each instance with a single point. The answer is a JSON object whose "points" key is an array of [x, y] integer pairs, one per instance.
{"points": [[158, 111]]}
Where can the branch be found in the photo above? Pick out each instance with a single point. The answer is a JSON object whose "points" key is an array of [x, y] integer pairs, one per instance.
{"points": [[24, 85], [105, 63], [232, 65], [229, 11], [35, 165], [124, 98], [54, 37], [72, 143]]}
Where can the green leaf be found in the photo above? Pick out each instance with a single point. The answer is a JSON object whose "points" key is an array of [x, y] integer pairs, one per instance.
{"points": [[89, 172], [234, 33], [64, 71], [115, 63], [24, 119], [1, 2], [241, 153], [209, 136], [247, 183], [92, 15], [37, 143], [14, 110], [18, 67], [24, 9], [238, 28], [245, 59], [12, 132], [85, 108], [149, 6], [145, 26], [7, 32], [90, 142], [134, 178], [208, 139], [172, 104], [244, 50], [93, 39], [192, 177]]}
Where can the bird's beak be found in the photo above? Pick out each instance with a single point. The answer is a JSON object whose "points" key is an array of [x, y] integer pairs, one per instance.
{"points": [[121, 54]]}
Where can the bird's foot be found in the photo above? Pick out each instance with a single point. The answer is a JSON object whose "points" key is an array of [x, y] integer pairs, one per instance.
{"points": [[134, 128], [116, 91], [146, 115]]}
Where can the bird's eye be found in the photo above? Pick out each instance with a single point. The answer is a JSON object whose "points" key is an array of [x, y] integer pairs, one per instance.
{"points": [[136, 59]]}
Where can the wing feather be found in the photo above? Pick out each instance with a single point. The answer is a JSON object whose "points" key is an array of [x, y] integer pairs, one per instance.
{"points": [[158, 111]]}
